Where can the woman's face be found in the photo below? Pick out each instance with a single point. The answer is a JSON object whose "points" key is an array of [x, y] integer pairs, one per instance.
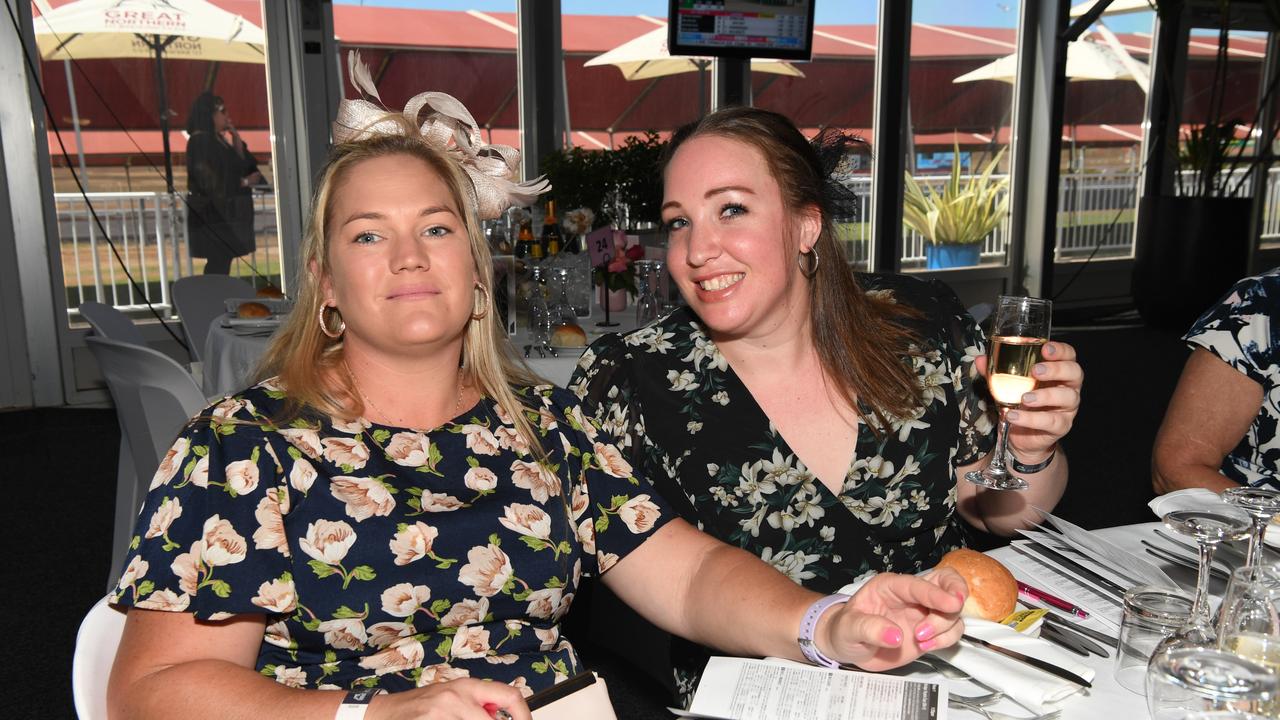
{"points": [[733, 242], [400, 265], [221, 120]]}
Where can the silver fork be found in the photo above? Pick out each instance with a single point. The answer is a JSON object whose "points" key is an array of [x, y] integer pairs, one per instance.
{"points": [[951, 672], [994, 715]]}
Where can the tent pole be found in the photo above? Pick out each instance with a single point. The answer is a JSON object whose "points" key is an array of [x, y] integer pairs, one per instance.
{"points": [[158, 47], [75, 123]]}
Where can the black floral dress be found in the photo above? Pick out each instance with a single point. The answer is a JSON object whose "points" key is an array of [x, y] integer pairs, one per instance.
{"points": [[689, 425], [389, 557], [1243, 330]]}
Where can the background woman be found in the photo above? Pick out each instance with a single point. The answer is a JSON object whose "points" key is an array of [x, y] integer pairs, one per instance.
{"points": [[399, 506], [220, 173], [821, 421]]}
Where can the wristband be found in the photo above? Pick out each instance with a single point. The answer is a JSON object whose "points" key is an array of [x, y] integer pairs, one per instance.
{"points": [[810, 624], [1032, 469], [356, 703]]}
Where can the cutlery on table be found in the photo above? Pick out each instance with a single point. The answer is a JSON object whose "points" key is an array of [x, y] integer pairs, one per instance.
{"points": [[994, 715], [1113, 592], [1056, 619], [1070, 641], [1036, 663], [950, 672], [1193, 552], [1183, 561]]}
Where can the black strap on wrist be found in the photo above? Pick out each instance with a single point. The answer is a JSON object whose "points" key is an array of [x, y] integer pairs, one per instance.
{"points": [[1032, 469]]}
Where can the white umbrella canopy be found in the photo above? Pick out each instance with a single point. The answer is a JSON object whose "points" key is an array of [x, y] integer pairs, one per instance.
{"points": [[1117, 7], [647, 57], [188, 29], [1086, 60]]}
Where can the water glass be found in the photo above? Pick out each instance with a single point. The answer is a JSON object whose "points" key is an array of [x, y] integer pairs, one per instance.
{"points": [[1194, 682], [1151, 614], [646, 301]]}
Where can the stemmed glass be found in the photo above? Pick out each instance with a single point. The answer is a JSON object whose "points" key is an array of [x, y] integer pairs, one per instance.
{"points": [[646, 301], [1250, 625], [1207, 684], [1018, 332], [1261, 504], [1208, 529]]}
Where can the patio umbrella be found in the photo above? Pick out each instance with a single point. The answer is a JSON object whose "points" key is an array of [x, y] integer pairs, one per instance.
{"points": [[159, 29], [1086, 60], [647, 57]]}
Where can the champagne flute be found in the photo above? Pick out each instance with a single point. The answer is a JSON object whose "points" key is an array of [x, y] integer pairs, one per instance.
{"points": [[1019, 331], [1250, 626]]}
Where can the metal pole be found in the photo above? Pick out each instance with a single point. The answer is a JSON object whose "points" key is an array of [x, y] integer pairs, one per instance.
{"points": [[75, 123]]}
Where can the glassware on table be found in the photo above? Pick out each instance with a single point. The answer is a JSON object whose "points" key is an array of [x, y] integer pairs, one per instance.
{"points": [[539, 312], [560, 309], [1189, 683], [1260, 504], [646, 301], [1151, 614], [1208, 528], [1250, 621], [1018, 332]]}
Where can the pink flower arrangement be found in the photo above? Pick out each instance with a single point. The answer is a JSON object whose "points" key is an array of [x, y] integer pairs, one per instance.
{"points": [[621, 273]]}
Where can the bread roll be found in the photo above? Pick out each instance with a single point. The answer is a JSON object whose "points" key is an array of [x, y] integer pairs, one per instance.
{"points": [[993, 592], [568, 335], [253, 310], [269, 291]]}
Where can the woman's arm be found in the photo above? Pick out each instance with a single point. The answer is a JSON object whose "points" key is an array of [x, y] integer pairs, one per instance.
{"points": [[1046, 415], [1210, 411], [692, 585], [171, 665]]}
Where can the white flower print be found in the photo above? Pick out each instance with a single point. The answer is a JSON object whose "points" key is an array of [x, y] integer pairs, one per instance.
{"points": [[136, 569], [587, 536], [166, 600], [752, 524], [277, 634], [171, 463], [541, 483], [328, 541], [546, 421], [611, 461], [186, 567], [442, 672], [306, 440], [170, 509], [479, 440], [827, 533], [345, 452], [277, 596], [404, 599], [680, 380], [471, 641], [751, 488], [270, 534], [344, 633], [384, 633], [439, 502], [528, 520], [544, 603], [227, 409], [509, 439], [200, 473], [578, 420], [404, 654], [693, 426], [480, 479], [221, 544], [605, 561], [353, 427], [466, 612], [409, 449], [791, 563], [294, 677], [413, 543], [547, 637], [302, 475], [364, 496], [720, 398], [242, 476], [932, 378], [639, 514], [487, 570]]}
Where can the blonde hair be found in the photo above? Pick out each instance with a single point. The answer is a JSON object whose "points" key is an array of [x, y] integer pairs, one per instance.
{"points": [[310, 365]]}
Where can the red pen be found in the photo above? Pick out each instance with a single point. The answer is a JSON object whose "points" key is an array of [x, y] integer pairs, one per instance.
{"points": [[496, 711], [1052, 600]]}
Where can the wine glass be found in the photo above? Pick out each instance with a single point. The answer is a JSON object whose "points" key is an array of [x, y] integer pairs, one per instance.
{"points": [[561, 310], [1189, 683], [1261, 504], [646, 301], [1250, 623], [1020, 329], [1208, 529]]}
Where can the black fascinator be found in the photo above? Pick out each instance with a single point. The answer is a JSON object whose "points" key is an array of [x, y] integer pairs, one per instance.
{"points": [[840, 154]]}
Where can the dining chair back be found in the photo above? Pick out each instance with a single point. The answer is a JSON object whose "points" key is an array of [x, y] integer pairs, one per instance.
{"points": [[109, 322], [200, 299], [95, 652], [154, 397]]}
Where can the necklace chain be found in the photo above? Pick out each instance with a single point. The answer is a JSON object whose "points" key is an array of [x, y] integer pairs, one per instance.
{"points": [[457, 406]]}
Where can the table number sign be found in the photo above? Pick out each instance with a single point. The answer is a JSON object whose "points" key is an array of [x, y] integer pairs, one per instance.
{"points": [[601, 245]]}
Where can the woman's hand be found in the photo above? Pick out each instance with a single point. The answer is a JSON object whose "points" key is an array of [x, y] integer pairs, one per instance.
{"points": [[461, 699], [893, 619], [1047, 412]]}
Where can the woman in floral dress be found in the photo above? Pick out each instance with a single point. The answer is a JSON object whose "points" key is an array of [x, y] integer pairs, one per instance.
{"points": [[398, 505], [819, 420]]}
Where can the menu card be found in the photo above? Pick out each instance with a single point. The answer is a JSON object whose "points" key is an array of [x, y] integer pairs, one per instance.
{"points": [[773, 689]]}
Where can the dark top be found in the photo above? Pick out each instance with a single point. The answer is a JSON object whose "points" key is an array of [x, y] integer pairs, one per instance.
{"points": [[219, 208], [385, 556], [1242, 331]]}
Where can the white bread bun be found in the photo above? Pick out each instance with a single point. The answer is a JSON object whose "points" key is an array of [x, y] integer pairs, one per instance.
{"points": [[993, 592], [568, 335], [253, 310]]}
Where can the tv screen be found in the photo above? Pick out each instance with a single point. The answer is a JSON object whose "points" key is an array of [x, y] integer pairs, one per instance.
{"points": [[741, 28]]}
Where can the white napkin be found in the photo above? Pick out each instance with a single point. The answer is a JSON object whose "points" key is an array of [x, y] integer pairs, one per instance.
{"points": [[1033, 689], [1202, 499]]}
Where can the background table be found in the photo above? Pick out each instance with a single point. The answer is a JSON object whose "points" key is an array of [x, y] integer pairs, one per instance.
{"points": [[230, 357]]}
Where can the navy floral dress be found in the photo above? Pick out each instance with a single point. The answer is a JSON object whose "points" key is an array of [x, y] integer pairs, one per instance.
{"points": [[1242, 331], [389, 557], [689, 425]]}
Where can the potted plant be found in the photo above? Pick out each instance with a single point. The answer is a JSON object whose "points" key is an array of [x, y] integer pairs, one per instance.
{"points": [[955, 221]]}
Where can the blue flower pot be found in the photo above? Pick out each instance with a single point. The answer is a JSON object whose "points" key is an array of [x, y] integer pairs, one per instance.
{"points": [[941, 257]]}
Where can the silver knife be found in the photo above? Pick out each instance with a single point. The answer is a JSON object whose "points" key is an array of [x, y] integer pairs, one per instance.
{"points": [[1114, 593], [1072, 640], [1036, 663], [1056, 619]]}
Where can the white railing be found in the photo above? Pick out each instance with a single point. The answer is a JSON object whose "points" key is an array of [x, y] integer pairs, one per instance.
{"points": [[149, 233]]}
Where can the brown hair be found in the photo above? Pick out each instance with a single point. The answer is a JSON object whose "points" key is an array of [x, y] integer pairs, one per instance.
{"points": [[862, 340], [310, 364]]}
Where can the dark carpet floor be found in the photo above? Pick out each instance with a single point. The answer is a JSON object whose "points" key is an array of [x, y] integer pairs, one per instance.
{"points": [[60, 475]]}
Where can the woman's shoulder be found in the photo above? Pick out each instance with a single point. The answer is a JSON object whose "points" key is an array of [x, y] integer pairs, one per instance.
{"points": [[259, 406], [657, 338], [932, 298]]}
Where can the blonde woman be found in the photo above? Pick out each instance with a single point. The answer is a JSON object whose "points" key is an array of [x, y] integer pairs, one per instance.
{"points": [[397, 505]]}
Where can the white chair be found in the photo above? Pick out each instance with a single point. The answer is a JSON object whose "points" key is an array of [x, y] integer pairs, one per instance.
{"points": [[154, 397], [96, 644], [200, 299], [109, 322]]}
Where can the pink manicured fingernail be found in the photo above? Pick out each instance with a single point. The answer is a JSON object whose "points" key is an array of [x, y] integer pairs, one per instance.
{"points": [[924, 632], [927, 645], [892, 637]]}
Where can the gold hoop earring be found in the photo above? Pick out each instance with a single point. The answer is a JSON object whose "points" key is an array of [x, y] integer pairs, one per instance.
{"points": [[484, 304], [812, 270], [342, 324]]}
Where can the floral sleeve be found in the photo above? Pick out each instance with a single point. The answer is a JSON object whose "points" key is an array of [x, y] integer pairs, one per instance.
{"points": [[1239, 331], [615, 510], [601, 382], [965, 343], [210, 538]]}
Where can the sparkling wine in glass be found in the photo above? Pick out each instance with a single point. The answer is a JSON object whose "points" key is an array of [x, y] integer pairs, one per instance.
{"points": [[1018, 333]]}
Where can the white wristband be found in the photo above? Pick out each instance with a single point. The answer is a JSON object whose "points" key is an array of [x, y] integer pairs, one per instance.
{"points": [[356, 704]]}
